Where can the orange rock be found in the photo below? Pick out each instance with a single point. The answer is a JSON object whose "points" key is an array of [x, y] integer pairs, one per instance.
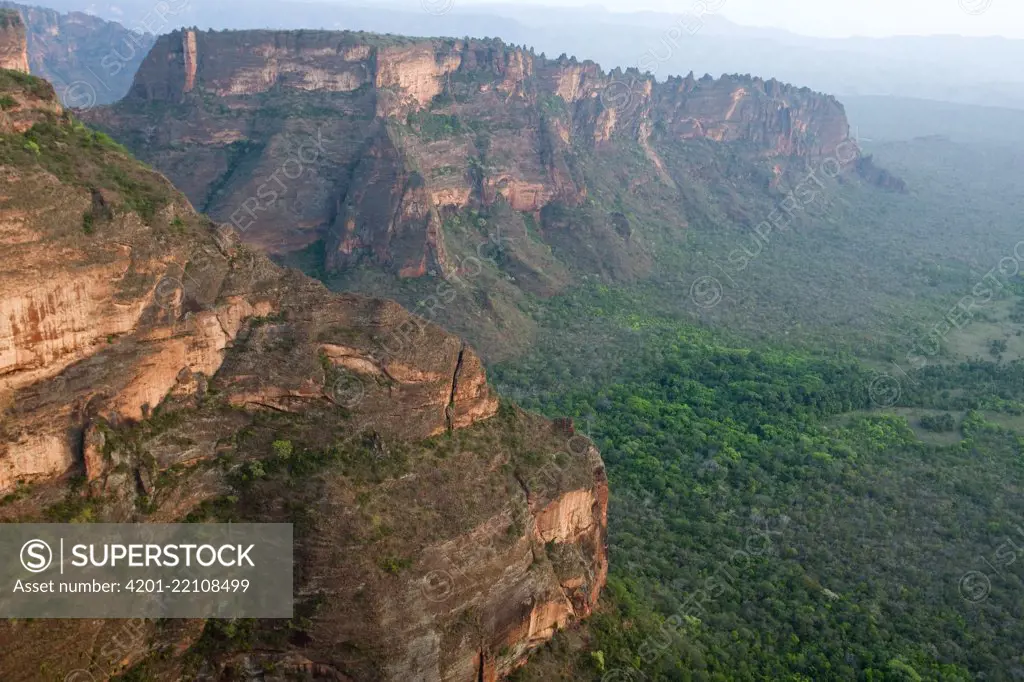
{"points": [[13, 41]]}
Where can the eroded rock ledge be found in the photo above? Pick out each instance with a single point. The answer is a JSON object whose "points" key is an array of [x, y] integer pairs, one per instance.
{"points": [[167, 372]]}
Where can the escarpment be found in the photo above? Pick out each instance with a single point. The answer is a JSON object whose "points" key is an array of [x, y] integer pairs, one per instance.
{"points": [[370, 144], [155, 369]]}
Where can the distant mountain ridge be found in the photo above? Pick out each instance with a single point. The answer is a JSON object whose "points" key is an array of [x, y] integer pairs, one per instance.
{"points": [[535, 109], [89, 60], [980, 71], [429, 159]]}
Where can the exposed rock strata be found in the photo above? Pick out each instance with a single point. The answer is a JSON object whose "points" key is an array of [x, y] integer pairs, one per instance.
{"points": [[419, 129], [158, 361]]}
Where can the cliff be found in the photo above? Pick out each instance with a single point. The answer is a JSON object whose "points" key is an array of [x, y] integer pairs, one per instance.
{"points": [[466, 177], [154, 369], [13, 42], [411, 74], [409, 131], [89, 60]]}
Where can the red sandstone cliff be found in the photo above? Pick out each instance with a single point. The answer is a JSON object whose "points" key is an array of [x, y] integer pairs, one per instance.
{"points": [[146, 354], [13, 42], [368, 142]]}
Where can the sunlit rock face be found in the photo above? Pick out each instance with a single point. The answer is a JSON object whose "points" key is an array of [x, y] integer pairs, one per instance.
{"points": [[319, 123], [13, 42], [147, 357]]}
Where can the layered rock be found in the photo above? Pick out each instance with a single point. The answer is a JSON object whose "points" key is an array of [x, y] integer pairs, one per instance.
{"points": [[148, 354], [779, 119], [414, 130], [516, 564], [13, 42]]}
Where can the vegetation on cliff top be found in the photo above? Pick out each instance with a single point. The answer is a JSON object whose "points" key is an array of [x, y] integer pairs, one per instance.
{"points": [[776, 515], [85, 158], [9, 18]]}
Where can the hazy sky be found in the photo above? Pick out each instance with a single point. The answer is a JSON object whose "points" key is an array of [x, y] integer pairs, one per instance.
{"points": [[839, 18]]}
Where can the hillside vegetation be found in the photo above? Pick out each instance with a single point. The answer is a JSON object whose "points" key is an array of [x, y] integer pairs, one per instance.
{"points": [[783, 514], [808, 385]]}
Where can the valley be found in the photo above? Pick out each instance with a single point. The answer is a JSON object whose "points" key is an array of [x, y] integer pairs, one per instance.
{"points": [[560, 372]]}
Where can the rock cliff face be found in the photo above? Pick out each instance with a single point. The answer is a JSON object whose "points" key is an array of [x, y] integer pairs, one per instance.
{"points": [[146, 354], [13, 42], [89, 61], [779, 119], [371, 142]]}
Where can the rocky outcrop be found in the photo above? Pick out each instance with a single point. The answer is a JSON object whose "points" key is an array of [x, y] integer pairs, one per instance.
{"points": [[879, 177], [148, 355], [484, 598], [33, 102], [779, 119], [89, 60], [414, 130], [13, 42], [191, 60], [80, 319]]}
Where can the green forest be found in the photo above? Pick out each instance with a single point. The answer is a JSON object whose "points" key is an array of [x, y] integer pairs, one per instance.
{"points": [[799, 352], [813, 436], [771, 520], [815, 474]]}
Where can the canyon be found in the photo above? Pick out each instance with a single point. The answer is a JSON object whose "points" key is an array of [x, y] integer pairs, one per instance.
{"points": [[165, 368], [708, 273], [153, 368]]}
